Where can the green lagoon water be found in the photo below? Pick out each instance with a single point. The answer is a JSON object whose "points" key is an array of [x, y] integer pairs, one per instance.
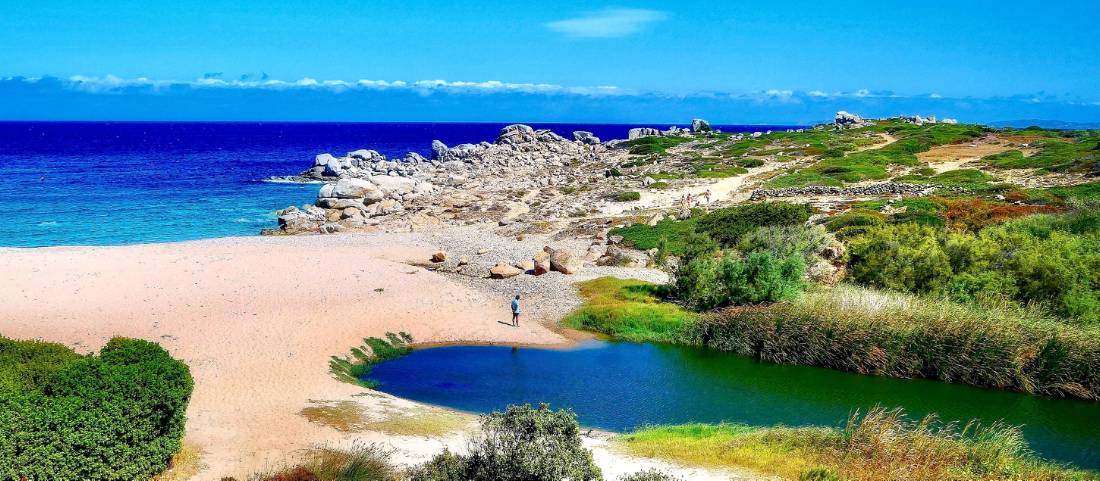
{"points": [[619, 386]]}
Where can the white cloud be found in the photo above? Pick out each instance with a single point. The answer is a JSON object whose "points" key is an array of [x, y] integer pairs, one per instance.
{"points": [[111, 83], [817, 93], [935, 96], [608, 23], [862, 93]]}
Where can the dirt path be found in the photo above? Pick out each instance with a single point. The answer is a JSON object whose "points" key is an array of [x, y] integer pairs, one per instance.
{"points": [[725, 189]]}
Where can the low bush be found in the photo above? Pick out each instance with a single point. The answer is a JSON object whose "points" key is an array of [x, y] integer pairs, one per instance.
{"points": [[653, 144], [115, 416], [649, 475], [1033, 260], [520, 443], [726, 226], [627, 196], [786, 240], [708, 282]]}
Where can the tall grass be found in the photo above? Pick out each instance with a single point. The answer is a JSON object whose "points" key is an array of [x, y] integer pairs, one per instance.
{"points": [[899, 335], [362, 462], [628, 309], [354, 368], [880, 445]]}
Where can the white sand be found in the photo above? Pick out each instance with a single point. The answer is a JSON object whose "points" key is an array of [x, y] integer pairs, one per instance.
{"points": [[256, 319]]}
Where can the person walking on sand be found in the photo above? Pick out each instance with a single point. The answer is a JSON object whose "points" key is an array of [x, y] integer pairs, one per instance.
{"points": [[515, 311]]}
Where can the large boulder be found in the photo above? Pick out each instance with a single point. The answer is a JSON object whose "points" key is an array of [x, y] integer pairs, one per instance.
{"points": [[516, 134], [352, 188], [391, 184], [564, 262], [637, 133], [585, 137], [503, 271], [700, 125], [365, 155], [541, 263], [439, 150]]}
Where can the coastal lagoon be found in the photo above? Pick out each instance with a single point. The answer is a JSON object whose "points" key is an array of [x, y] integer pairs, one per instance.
{"points": [[620, 386], [106, 183]]}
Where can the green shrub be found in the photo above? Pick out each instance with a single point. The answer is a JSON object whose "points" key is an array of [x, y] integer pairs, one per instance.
{"points": [[785, 240], [116, 416], [627, 196], [653, 144], [659, 185], [628, 309], [521, 443], [855, 217], [726, 226], [1033, 260], [649, 475], [707, 282], [27, 365]]}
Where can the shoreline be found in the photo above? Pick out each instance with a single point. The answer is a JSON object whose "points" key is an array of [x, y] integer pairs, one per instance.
{"points": [[257, 317]]}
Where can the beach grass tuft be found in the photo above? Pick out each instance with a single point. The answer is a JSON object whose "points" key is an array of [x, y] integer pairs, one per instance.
{"points": [[881, 444], [355, 367]]}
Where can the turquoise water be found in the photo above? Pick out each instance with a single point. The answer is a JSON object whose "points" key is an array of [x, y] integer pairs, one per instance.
{"points": [[620, 386], [96, 183]]}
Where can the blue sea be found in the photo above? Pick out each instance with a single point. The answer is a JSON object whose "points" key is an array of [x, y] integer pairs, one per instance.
{"points": [[105, 183]]}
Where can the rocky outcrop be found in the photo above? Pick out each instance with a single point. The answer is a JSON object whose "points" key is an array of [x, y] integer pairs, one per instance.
{"points": [[880, 189], [639, 132], [700, 125], [585, 137], [845, 120]]}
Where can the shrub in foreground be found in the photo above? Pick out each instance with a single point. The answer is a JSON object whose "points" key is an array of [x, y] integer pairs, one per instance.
{"points": [[115, 416], [521, 443]]}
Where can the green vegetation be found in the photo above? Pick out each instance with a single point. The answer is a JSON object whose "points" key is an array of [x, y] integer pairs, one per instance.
{"points": [[718, 171], [726, 226], [645, 237], [355, 368], [708, 282], [654, 144], [1074, 154], [521, 443], [659, 185], [872, 164], [882, 444], [115, 416], [627, 196], [362, 462], [1047, 261], [901, 335], [628, 309]]}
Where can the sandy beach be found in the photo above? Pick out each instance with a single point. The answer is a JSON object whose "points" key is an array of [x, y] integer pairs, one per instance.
{"points": [[256, 319]]}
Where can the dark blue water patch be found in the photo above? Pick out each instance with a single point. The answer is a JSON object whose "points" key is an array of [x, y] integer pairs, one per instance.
{"points": [[621, 386], [96, 183]]}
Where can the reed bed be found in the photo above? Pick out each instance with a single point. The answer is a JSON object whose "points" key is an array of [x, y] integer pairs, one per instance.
{"points": [[899, 335]]}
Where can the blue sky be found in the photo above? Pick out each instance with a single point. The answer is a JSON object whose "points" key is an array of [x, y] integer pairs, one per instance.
{"points": [[549, 61]]}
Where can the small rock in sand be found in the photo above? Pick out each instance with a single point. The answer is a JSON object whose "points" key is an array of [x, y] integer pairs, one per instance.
{"points": [[439, 256]]}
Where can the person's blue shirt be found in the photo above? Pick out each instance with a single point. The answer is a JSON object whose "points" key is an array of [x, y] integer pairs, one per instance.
{"points": [[515, 306]]}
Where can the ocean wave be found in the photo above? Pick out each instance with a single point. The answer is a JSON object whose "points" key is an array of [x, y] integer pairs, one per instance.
{"points": [[285, 180]]}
